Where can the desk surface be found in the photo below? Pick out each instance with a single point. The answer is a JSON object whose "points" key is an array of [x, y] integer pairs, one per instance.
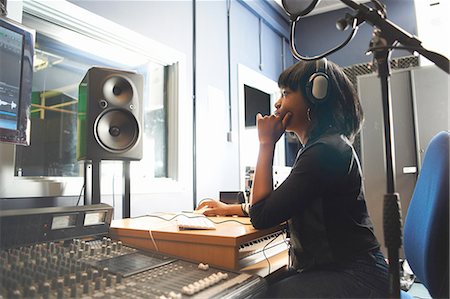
{"points": [[230, 231], [219, 247]]}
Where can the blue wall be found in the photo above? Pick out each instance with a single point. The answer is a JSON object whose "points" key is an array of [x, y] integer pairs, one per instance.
{"points": [[218, 159], [318, 33]]}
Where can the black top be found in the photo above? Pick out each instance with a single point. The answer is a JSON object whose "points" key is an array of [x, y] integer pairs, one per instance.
{"points": [[323, 201]]}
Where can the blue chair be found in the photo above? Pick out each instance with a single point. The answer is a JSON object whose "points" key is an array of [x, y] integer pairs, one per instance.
{"points": [[426, 229]]}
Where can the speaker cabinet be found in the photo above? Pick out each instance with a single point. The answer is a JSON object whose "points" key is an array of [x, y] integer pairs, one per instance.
{"points": [[110, 115]]}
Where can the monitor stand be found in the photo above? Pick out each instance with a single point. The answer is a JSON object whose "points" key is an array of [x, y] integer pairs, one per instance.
{"points": [[92, 194]]}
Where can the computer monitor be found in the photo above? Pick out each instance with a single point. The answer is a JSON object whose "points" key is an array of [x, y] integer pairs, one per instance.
{"points": [[16, 73]]}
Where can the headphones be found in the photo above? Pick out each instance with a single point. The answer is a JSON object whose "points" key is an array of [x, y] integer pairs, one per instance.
{"points": [[319, 85]]}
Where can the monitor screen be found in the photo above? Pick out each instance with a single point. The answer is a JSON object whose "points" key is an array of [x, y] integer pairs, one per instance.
{"points": [[16, 65], [256, 101]]}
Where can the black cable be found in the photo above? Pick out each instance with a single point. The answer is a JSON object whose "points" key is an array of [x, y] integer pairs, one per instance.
{"points": [[113, 194], [81, 192]]}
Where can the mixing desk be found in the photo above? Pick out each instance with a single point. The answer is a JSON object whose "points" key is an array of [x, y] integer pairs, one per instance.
{"points": [[108, 269], [71, 260]]}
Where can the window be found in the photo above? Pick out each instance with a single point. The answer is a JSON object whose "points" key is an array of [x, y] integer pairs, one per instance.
{"points": [[70, 40], [58, 71]]}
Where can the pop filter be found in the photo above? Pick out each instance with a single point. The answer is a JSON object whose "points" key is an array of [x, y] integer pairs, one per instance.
{"points": [[298, 8]]}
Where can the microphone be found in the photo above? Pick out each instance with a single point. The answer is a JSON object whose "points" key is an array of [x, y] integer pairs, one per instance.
{"points": [[298, 8]]}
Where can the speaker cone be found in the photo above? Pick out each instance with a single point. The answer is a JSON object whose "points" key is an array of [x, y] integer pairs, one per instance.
{"points": [[116, 130], [118, 90]]}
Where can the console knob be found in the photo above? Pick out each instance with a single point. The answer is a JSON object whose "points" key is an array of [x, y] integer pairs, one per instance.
{"points": [[80, 253]]}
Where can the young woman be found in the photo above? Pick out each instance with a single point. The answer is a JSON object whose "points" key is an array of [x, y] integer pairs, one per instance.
{"points": [[334, 251]]}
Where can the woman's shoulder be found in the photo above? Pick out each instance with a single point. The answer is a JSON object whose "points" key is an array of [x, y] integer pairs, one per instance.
{"points": [[331, 151], [333, 142]]}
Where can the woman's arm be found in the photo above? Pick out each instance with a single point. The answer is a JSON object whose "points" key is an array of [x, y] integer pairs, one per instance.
{"points": [[270, 129], [263, 178]]}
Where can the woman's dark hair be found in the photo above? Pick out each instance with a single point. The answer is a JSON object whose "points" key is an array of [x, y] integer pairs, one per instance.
{"points": [[342, 109]]}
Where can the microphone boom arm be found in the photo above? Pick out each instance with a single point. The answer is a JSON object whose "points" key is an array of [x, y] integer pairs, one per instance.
{"points": [[393, 32]]}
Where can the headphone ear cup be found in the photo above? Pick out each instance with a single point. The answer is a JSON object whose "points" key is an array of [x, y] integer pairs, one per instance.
{"points": [[318, 85]]}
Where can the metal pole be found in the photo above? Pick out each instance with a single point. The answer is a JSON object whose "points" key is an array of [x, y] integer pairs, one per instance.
{"points": [[92, 194], [126, 203], [392, 219]]}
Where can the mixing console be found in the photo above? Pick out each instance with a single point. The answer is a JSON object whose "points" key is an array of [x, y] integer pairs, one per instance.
{"points": [[108, 269]]}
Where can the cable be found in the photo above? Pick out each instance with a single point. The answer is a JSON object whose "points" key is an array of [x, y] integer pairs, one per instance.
{"points": [[300, 57], [81, 191], [172, 218], [265, 256], [229, 220], [113, 193], [194, 216], [153, 240], [3, 10], [287, 241]]}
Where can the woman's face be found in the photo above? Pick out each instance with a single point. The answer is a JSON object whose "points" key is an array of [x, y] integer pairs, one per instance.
{"points": [[294, 102]]}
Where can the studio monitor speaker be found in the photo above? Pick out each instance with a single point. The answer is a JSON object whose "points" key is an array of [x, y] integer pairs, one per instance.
{"points": [[110, 115]]}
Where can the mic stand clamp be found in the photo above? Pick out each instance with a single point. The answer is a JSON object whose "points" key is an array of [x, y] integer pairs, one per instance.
{"points": [[392, 218]]}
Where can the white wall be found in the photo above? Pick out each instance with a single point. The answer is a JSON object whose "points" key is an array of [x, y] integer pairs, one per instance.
{"points": [[432, 26], [14, 9]]}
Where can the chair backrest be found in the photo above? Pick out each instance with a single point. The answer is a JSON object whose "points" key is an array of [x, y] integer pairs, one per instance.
{"points": [[426, 230]]}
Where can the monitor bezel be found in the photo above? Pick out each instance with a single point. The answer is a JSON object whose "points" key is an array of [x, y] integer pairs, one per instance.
{"points": [[21, 135]]}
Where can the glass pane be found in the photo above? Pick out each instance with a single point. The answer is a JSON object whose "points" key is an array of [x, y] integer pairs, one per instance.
{"points": [[58, 71]]}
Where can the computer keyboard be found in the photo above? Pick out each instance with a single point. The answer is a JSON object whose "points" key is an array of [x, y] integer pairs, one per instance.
{"points": [[194, 222]]}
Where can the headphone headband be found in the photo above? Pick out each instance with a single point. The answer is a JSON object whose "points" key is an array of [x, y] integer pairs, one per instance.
{"points": [[321, 65]]}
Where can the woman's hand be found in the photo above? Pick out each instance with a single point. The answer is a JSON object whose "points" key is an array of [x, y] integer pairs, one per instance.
{"points": [[211, 207], [271, 127]]}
